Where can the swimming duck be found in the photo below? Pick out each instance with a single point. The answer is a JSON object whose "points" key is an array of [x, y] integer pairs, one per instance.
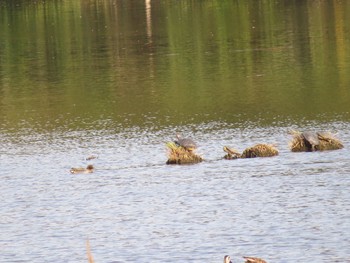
{"points": [[91, 157], [254, 260], [87, 170], [227, 259]]}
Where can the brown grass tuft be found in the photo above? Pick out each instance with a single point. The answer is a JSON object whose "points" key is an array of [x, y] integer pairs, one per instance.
{"points": [[260, 150], [327, 142], [88, 252], [231, 153], [180, 155]]}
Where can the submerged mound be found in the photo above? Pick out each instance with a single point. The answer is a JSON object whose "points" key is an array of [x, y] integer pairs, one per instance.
{"points": [[314, 141], [231, 153], [178, 154], [259, 150]]}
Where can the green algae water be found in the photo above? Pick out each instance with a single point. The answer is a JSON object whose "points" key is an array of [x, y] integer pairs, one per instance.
{"points": [[118, 79], [175, 61]]}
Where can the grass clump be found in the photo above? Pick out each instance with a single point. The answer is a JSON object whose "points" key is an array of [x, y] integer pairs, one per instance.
{"points": [[180, 155], [326, 141], [259, 150], [231, 153], [88, 252]]}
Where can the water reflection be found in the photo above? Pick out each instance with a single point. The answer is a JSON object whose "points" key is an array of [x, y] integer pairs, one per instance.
{"points": [[148, 20], [202, 61]]}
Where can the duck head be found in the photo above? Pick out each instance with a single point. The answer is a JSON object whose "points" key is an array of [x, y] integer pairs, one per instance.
{"points": [[90, 167], [227, 259]]}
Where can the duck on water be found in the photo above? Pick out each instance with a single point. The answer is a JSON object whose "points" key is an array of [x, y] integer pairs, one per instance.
{"points": [[227, 259], [89, 169]]}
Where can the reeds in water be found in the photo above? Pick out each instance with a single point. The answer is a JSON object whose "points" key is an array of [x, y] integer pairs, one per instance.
{"points": [[259, 150], [180, 155], [231, 153], [88, 252], [326, 141], [298, 143], [329, 142]]}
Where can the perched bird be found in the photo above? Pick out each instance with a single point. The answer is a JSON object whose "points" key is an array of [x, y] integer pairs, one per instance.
{"points": [[254, 260], [311, 140], [186, 143], [87, 170], [227, 259]]}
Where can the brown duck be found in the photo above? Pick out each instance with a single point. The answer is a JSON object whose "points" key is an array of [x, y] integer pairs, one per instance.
{"points": [[227, 259], [87, 170], [254, 260]]}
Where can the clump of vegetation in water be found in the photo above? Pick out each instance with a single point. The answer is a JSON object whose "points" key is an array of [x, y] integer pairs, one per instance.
{"points": [[259, 150], [178, 154], [314, 141], [231, 153]]}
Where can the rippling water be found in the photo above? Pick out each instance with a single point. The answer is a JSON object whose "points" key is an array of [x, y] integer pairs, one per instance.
{"points": [[290, 208]]}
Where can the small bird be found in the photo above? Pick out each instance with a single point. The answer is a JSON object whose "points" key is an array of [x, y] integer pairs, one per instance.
{"points": [[87, 170], [227, 259], [254, 260], [186, 143], [91, 157]]}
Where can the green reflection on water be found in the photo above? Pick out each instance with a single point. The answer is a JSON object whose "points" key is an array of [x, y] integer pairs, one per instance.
{"points": [[172, 62]]}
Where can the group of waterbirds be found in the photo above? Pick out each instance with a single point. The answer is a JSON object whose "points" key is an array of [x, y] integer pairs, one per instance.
{"points": [[227, 259], [182, 150]]}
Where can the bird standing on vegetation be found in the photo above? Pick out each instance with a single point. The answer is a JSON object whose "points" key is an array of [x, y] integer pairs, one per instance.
{"points": [[311, 140], [186, 143]]}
